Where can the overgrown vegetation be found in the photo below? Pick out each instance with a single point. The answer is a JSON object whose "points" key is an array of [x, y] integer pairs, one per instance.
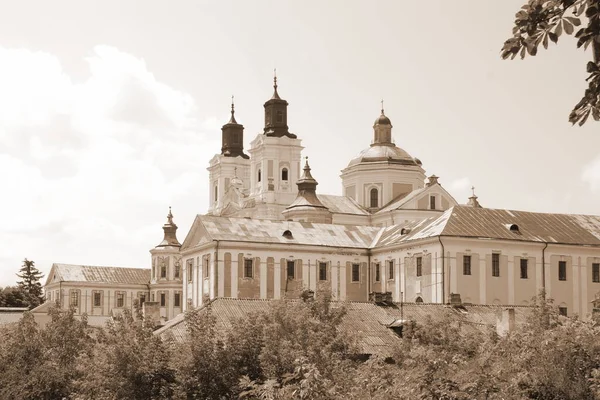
{"points": [[297, 351]]}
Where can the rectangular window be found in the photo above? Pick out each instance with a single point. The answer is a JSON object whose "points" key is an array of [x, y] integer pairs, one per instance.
{"points": [[391, 269], [120, 296], [596, 272], [524, 268], [163, 299], [190, 264], [419, 266], [291, 269], [248, 270], [205, 266], [355, 272], [177, 300], [377, 272], [562, 311], [74, 298], [322, 271], [466, 265], [495, 264], [562, 270], [163, 269], [142, 298], [177, 271], [432, 202], [97, 299]]}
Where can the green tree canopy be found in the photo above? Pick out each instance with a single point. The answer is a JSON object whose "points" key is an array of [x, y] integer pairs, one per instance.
{"points": [[542, 21]]}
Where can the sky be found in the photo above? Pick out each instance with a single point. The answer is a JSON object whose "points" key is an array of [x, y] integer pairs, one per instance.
{"points": [[111, 110]]}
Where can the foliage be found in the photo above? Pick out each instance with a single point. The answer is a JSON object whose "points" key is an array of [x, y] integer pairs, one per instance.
{"points": [[30, 283], [541, 21], [13, 296]]}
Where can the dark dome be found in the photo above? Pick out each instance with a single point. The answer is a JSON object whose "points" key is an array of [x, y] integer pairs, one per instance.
{"points": [[383, 120]]}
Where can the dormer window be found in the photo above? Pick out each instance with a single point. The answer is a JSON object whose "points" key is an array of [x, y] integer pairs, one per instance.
{"points": [[404, 231], [513, 228], [288, 234]]}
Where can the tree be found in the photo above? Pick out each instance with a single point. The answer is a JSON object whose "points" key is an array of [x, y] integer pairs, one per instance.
{"points": [[13, 296], [30, 283], [541, 21]]}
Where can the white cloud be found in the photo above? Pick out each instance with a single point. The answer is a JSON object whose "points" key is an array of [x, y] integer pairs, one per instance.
{"points": [[82, 162], [591, 174]]}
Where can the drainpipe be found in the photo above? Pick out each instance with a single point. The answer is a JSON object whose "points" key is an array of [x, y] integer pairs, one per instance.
{"points": [[544, 269], [443, 272], [368, 273], [216, 275]]}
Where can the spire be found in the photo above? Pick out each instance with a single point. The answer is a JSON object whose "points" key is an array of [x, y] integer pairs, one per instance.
{"points": [[170, 229], [473, 199], [306, 175], [275, 94], [307, 206], [382, 113], [232, 119]]}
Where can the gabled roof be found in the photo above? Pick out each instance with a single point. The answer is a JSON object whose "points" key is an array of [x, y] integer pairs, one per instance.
{"points": [[341, 204], [470, 222], [208, 228], [369, 321], [402, 200], [88, 273]]}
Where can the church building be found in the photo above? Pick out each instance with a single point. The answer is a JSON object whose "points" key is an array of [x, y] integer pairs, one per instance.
{"points": [[394, 233]]}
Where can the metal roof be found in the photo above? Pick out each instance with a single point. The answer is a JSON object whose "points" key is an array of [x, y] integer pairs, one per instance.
{"points": [[89, 273], [341, 204], [267, 231]]}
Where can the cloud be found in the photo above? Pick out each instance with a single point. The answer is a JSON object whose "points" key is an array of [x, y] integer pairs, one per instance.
{"points": [[591, 174], [84, 163]]}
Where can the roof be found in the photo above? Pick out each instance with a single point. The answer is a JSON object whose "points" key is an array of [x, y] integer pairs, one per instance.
{"points": [[466, 221], [208, 228], [401, 200], [383, 153], [89, 273], [369, 321], [341, 204]]}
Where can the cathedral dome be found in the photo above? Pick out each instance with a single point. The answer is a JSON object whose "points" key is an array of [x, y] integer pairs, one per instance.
{"points": [[385, 153]]}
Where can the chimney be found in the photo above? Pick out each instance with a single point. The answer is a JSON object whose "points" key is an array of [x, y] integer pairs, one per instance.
{"points": [[455, 299], [505, 321]]}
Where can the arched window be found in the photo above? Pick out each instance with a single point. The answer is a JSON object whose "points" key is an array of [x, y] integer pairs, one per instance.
{"points": [[259, 175], [374, 194], [284, 174], [419, 300], [216, 193]]}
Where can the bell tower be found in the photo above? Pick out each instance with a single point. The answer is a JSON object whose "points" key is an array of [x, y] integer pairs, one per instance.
{"points": [[276, 115]]}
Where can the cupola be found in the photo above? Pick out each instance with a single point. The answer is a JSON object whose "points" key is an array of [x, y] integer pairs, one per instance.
{"points": [[276, 115], [232, 139], [170, 229], [473, 200], [307, 207]]}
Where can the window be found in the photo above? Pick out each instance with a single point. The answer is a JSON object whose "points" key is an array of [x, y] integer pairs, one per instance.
{"points": [[466, 265], [562, 270], [523, 268], [432, 202], [163, 299], [216, 193], [291, 269], [322, 271], [177, 272], [419, 266], [391, 269], [355, 272], [142, 297], [596, 272], [205, 266], [152, 296], [97, 299], [495, 264], [419, 299], [377, 272], [374, 198], [153, 268], [284, 174], [74, 301], [562, 311], [248, 270], [163, 269], [177, 300], [190, 264], [120, 296], [259, 175], [279, 116], [236, 138]]}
